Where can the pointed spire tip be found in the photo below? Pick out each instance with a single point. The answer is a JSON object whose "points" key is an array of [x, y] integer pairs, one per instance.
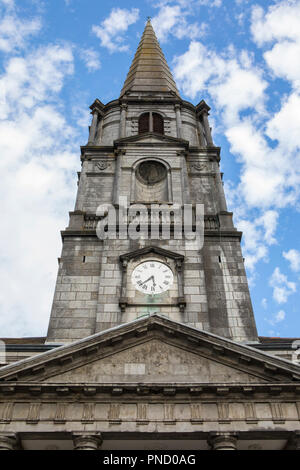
{"points": [[149, 71]]}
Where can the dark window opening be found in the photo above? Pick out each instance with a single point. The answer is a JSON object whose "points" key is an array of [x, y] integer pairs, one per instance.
{"points": [[151, 122], [144, 123], [158, 123]]}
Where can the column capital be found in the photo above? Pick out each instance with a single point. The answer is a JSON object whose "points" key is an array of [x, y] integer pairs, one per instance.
{"points": [[8, 441], [87, 440], [223, 440]]}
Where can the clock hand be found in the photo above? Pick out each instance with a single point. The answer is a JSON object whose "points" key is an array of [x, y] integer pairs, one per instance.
{"points": [[147, 280]]}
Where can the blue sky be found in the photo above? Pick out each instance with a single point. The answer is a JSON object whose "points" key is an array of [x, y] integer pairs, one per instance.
{"points": [[57, 56]]}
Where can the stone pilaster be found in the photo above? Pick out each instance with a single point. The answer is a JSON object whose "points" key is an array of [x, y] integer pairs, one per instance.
{"points": [[223, 441], [178, 120], [86, 441]]}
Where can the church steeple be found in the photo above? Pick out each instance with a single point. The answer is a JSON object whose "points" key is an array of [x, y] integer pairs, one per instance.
{"points": [[149, 70]]}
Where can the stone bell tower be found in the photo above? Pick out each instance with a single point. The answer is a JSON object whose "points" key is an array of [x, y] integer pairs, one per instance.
{"points": [[148, 147]]}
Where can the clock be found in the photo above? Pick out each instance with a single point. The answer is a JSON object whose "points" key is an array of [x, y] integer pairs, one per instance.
{"points": [[152, 277]]}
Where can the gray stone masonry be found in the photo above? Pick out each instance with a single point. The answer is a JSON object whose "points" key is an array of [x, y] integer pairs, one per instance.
{"points": [[93, 292]]}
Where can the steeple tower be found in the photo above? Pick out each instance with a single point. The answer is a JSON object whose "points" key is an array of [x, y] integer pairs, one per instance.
{"points": [[149, 70], [150, 148]]}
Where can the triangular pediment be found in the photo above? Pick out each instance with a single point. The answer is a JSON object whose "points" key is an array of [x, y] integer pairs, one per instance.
{"points": [[152, 249], [152, 138], [152, 350]]}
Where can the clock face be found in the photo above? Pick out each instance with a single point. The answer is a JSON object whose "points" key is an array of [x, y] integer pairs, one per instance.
{"points": [[152, 277]]}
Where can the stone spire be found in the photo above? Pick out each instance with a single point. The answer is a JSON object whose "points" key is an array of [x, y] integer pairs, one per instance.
{"points": [[149, 70]]}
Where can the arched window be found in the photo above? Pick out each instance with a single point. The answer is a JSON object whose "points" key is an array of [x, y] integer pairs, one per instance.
{"points": [[151, 122]]}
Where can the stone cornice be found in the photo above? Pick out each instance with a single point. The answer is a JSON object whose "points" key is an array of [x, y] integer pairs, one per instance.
{"points": [[89, 152], [202, 106], [151, 249], [98, 106], [153, 390], [163, 140], [220, 234]]}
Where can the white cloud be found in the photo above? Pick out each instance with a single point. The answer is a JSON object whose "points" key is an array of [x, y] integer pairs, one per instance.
{"points": [[280, 316], [91, 59], [189, 4], [277, 318], [10, 4], [111, 30], [34, 78], [14, 31], [285, 124], [258, 236], [280, 24], [36, 146], [172, 19], [293, 256], [269, 172], [210, 3], [264, 303], [282, 287], [201, 69]]}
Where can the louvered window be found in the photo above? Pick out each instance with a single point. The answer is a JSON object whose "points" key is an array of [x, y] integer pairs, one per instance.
{"points": [[158, 123], [151, 122], [144, 123]]}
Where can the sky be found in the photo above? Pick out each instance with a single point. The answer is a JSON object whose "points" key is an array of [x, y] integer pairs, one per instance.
{"points": [[58, 56]]}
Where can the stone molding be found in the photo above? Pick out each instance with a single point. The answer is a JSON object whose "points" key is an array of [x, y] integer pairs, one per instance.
{"points": [[273, 369]]}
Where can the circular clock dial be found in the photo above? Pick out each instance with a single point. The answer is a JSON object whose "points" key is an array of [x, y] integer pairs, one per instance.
{"points": [[152, 277]]}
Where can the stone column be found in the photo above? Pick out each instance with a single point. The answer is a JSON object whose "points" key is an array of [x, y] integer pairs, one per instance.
{"points": [[8, 441], [123, 120], [178, 120], [223, 441], [93, 128], [86, 441], [207, 129]]}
